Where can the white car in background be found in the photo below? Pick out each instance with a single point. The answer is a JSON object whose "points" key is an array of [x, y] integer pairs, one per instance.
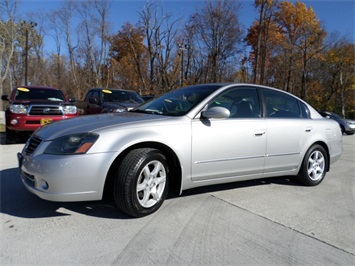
{"points": [[190, 137]]}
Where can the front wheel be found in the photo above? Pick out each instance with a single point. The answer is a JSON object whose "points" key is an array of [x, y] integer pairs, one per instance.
{"points": [[141, 182], [314, 166]]}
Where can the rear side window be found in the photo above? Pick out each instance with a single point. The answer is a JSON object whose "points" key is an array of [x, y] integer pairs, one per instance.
{"points": [[281, 105]]}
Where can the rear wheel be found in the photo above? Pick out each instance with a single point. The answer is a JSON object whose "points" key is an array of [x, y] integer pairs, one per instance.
{"points": [[141, 182], [314, 166]]}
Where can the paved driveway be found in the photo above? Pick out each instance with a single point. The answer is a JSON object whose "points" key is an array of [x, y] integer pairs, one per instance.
{"points": [[266, 222]]}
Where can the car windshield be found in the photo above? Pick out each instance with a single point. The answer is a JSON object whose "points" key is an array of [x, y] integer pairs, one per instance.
{"points": [[177, 102], [39, 94], [121, 96]]}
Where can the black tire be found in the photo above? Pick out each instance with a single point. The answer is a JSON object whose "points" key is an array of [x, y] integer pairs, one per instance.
{"points": [[314, 166], [342, 130], [141, 182], [11, 136]]}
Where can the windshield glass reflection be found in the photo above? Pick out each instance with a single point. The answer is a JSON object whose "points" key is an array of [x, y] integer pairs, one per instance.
{"points": [[178, 102]]}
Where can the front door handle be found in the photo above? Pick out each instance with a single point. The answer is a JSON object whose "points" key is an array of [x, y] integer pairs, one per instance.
{"points": [[309, 129], [259, 133]]}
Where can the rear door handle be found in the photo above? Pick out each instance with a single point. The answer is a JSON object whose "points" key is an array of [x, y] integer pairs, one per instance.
{"points": [[309, 129]]}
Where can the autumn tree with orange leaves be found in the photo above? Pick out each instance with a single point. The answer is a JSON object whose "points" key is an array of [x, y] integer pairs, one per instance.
{"points": [[285, 47], [263, 36], [303, 39], [130, 59]]}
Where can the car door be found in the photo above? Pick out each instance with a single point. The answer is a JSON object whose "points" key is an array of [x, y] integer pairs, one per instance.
{"points": [[288, 126], [234, 147]]}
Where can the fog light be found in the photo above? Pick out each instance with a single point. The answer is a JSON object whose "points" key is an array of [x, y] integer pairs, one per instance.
{"points": [[44, 184], [14, 122]]}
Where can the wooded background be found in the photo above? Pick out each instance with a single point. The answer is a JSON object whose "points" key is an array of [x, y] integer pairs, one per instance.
{"points": [[286, 48]]}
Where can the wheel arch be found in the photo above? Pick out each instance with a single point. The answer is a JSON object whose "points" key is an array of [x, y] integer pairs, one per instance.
{"points": [[174, 165]]}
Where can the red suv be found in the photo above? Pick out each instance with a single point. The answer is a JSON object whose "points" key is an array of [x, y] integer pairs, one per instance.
{"points": [[32, 106]]}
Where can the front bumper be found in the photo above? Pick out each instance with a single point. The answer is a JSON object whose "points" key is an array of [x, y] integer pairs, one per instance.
{"points": [[31, 123], [65, 178]]}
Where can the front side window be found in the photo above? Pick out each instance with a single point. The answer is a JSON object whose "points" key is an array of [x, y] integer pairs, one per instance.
{"points": [[280, 105], [241, 102]]}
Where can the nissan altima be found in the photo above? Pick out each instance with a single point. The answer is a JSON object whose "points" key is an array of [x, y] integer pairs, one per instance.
{"points": [[190, 137]]}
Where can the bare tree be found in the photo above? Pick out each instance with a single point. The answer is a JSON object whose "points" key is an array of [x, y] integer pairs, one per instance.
{"points": [[66, 15], [102, 7], [56, 30], [8, 37], [152, 25], [160, 30], [94, 33], [219, 33]]}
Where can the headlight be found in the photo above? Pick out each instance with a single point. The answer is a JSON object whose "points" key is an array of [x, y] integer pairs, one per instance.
{"points": [[70, 109], [72, 144], [18, 109]]}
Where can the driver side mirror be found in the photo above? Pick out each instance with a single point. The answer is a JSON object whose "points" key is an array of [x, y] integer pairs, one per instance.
{"points": [[216, 112], [5, 98]]}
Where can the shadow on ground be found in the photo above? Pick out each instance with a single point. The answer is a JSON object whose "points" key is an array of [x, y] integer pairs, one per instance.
{"points": [[21, 139], [15, 200]]}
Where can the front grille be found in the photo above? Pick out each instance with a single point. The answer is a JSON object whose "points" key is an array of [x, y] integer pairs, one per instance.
{"points": [[38, 122], [45, 110], [32, 144]]}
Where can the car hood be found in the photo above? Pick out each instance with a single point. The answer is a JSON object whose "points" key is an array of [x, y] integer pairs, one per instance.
{"points": [[113, 105], [95, 123], [32, 102]]}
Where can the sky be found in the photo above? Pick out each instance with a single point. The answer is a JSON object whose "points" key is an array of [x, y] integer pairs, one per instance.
{"points": [[336, 16]]}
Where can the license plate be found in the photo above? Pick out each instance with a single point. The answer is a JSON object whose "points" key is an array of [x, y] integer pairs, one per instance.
{"points": [[45, 121]]}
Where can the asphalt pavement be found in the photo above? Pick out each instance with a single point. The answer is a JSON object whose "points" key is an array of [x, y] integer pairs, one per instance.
{"points": [[266, 222]]}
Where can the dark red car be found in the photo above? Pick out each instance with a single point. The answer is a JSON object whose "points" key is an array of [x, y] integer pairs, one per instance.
{"points": [[31, 107]]}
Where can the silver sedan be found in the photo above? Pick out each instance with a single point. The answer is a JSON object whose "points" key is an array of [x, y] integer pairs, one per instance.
{"points": [[189, 137]]}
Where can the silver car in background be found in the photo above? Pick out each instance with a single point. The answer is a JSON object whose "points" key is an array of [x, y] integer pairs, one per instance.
{"points": [[190, 137]]}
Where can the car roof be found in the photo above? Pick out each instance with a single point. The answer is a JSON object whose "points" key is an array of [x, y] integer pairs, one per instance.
{"points": [[38, 87], [114, 89]]}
